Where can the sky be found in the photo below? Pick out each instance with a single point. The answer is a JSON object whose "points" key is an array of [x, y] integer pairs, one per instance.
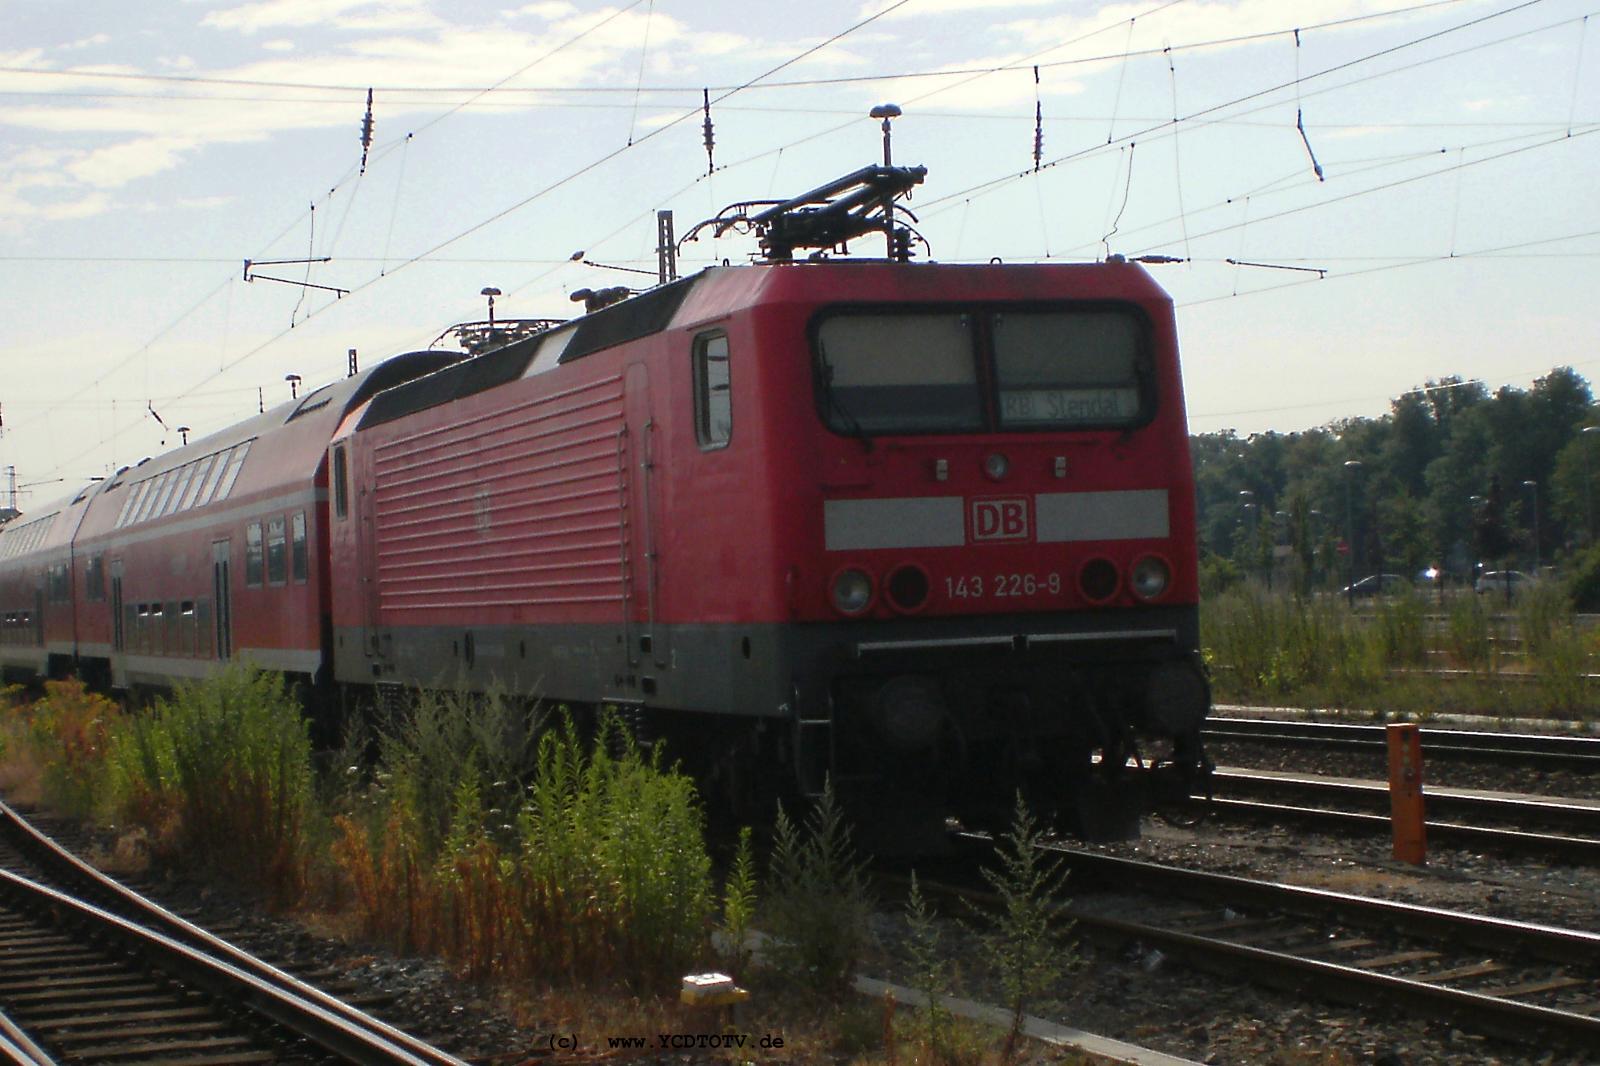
{"points": [[148, 150]]}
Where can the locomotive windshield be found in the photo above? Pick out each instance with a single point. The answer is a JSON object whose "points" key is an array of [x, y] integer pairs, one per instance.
{"points": [[921, 372]]}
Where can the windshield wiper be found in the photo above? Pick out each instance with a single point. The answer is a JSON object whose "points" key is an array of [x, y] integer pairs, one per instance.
{"points": [[852, 425]]}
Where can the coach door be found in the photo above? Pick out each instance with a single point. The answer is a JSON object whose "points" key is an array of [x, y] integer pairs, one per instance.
{"points": [[118, 634], [221, 593]]}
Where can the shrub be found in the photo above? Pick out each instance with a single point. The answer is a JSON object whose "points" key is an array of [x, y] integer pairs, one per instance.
{"points": [[817, 900], [222, 770], [1401, 625], [70, 731], [1026, 945], [930, 970], [1543, 611], [739, 903], [597, 869], [1583, 579]]}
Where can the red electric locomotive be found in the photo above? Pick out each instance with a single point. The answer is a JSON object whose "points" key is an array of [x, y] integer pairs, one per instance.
{"points": [[925, 529]]}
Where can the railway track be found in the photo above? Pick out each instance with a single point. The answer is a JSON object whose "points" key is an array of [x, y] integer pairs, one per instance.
{"points": [[1514, 980], [1549, 750], [93, 972], [1507, 824]]}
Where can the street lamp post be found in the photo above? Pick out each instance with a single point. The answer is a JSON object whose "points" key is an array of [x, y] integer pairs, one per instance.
{"points": [[1534, 485], [1247, 504], [1351, 468], [1589, 432]]}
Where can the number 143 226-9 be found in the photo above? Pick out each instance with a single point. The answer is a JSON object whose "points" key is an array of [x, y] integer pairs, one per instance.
{"points": [[977, 586]]}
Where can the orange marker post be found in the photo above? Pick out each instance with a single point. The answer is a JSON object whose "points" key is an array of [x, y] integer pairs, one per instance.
{"points": [[1405, 793]]}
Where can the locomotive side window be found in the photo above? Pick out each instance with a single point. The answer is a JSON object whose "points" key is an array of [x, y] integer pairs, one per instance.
{"points": [[713, 391], [252, 555], [341, 484], [1067, 368], [898, 373], [277, 554], [297, 547]]}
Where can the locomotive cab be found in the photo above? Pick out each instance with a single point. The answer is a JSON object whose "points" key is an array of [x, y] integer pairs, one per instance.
{"points": [[1000, 584]]}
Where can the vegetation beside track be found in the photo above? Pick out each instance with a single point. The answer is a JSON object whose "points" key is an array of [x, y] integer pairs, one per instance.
{"points": [[560, 859], [1317, 651]]}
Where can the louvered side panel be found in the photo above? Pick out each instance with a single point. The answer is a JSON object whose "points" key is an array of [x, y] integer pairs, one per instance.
{"points": [[519, 510]]}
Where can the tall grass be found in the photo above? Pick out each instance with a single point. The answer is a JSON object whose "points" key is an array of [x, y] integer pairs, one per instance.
{"points": [[596, 869], [1321, 653], [1470, 633], [1276, 645], [221, 772]]}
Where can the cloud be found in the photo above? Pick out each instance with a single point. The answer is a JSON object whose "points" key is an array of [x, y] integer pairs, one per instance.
{"points": [[922, 8], [93, 41], [279, 44], [109, 168], [549, 10], [345, 14]]}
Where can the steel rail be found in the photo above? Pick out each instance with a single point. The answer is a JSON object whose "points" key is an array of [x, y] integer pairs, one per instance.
{"points": [[1547, 942], [1502, 1016], [118, 899], [16, 1046], [1507, 1018], [1525, 810], [310, 1021], [1572, 849], [1522, 748]]}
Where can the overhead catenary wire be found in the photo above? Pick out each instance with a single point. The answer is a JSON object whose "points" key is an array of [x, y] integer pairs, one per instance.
{"points": [[1159, 128], [436, 259], [1018, 64], [545, 190]]}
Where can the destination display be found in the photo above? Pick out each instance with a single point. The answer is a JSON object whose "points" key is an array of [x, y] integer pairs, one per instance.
{"points": [[1056, 406]]}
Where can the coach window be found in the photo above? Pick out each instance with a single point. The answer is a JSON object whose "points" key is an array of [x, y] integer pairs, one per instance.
{"points": [[235, 464], [341, 483], [252, 555], [219, 463], [297, 547], [713, 392], [94, 578], [277, 561]]}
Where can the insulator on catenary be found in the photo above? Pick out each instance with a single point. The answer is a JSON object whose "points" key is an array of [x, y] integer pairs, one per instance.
{"points": [[366, 133], [706, 126]]}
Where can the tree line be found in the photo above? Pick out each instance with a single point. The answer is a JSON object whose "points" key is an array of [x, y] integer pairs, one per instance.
{"points": [[1454, 477]]}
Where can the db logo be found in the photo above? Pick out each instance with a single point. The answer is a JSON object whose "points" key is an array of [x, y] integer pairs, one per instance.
{"points": [[1000, 518]]}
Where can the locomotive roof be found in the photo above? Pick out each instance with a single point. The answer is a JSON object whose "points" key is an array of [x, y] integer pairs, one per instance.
{"points": [[719, 290], [648, 313]]}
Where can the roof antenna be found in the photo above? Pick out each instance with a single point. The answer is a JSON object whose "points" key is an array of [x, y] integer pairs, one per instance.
{"points": [[887, 112]]}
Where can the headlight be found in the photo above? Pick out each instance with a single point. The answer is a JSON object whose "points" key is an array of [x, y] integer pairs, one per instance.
{"points": [[1150, 577], [852, 591], [996, 466]]}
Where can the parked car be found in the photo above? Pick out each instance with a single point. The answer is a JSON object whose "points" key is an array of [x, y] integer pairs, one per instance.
{"points": [[1377, 585], [1504, 582]]}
